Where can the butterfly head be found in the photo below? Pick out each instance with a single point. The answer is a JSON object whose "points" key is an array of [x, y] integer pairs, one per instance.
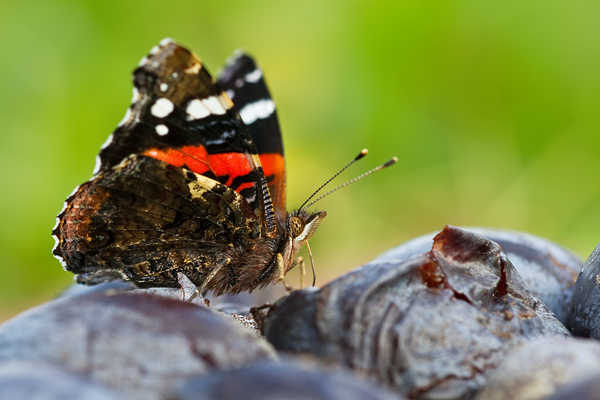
{"points": [[301, 226]]}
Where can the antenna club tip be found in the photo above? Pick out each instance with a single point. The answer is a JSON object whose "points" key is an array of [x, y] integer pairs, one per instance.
{"points": [[393, 161], [363, 153]]}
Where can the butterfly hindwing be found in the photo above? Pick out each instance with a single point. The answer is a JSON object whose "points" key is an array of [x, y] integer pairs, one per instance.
{"points": [[146, 221]]}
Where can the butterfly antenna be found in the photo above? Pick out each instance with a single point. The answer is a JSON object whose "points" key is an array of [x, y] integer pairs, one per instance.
{"points": [[358, 157], [391, 162]]}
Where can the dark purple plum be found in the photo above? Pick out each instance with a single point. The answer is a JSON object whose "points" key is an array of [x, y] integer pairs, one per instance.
{"points": [[34, 380], [429, 327], [584, 318], [540, 367], [547, 269], [286, 379], [139, 344]]}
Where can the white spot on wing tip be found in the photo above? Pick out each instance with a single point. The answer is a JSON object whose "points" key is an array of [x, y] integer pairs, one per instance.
{"points": [[162, 107], [258, 110], [214, 105], [154, 50], [253, 76], [166, 41], [143, 61], [197, 110], [162, 129]]}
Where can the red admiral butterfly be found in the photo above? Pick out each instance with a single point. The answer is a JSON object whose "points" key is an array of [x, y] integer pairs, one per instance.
{"points": [[189, 182]]}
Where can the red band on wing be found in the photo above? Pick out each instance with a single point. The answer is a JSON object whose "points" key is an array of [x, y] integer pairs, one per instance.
{"points": [[274, 165], [197, 159], [232, 164]]}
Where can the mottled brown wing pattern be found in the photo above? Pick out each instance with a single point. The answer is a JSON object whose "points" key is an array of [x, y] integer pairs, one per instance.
{"points": [[146, 220]]}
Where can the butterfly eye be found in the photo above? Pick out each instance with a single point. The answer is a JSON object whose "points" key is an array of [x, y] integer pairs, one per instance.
{"points": [[297, 226]]}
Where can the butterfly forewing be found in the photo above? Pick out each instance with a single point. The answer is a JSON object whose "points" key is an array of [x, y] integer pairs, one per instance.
{"points": [[180, 115], [243, 81]]}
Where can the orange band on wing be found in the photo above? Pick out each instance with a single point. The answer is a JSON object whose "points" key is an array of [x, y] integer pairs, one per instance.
{"points": [[232, 164], [274, 166], [197, 159]]}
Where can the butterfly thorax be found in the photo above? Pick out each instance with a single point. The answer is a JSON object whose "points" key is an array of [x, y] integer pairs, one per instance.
{"points": [[255, 264]]}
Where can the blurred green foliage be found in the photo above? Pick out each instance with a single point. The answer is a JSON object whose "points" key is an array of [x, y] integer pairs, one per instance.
{"points": [[491, 107]]}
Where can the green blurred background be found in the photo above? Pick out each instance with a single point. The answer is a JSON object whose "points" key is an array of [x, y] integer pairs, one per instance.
{"points": [[491, 107]]}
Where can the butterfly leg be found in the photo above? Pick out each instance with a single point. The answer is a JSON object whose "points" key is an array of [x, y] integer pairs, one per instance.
{"points": [[303, 272], [300, 261], [187, 286], [282, 272], [208, 278]]}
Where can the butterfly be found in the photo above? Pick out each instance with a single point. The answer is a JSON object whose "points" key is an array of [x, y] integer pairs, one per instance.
{"points": [[192, 181]]}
